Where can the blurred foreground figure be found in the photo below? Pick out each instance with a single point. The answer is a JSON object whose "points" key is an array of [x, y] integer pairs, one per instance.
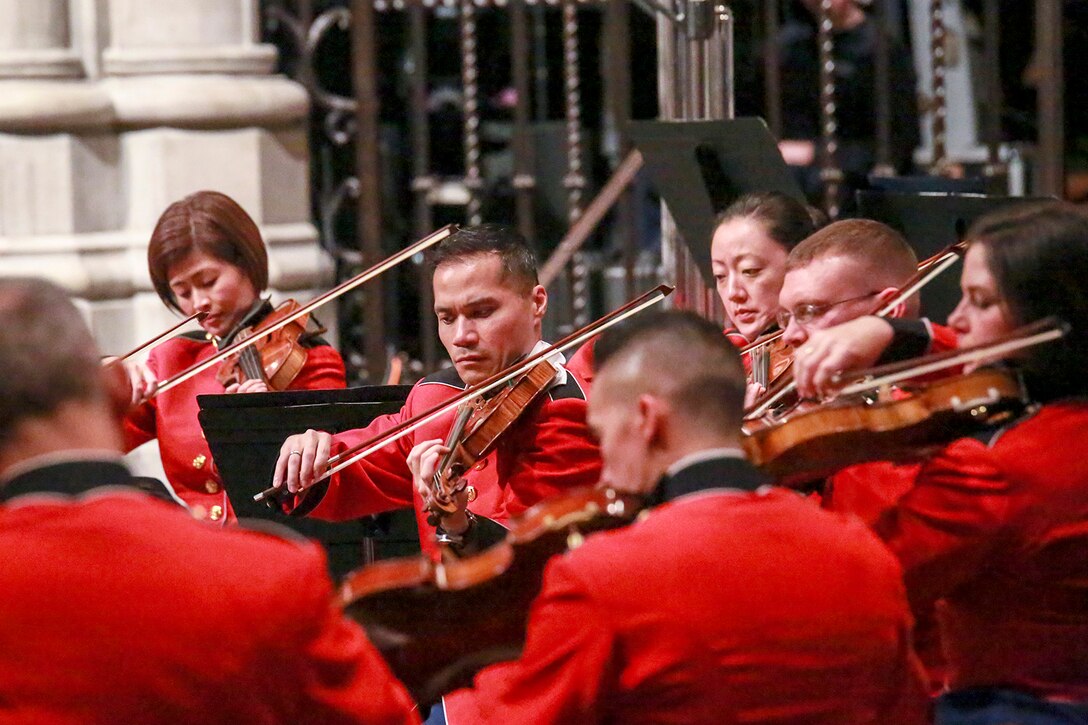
{"points": [[120, 608]]}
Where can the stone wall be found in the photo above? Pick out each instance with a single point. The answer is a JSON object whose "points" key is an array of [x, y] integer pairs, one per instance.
{"points": [[112, 109]]}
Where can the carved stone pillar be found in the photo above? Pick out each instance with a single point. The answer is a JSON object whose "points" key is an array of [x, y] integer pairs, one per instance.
{"points": [[112, 109], [36, 40]]}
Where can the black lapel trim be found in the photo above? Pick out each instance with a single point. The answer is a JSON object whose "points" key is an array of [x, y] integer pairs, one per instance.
{"points": [[73, 478], [446, 376], [712, 474]]}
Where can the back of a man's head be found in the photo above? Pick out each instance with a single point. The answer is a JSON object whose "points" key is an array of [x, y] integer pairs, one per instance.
{"points": [[46, 352], [882, 251], [680, 357], [518, 262]]}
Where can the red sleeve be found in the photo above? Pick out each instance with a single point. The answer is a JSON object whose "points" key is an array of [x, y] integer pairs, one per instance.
{"points": [[943, 529], [547, 454], [380, 482], [941, 338], [324, 370], [347, 681], [140, 422], [339, 677], [567, 662]]}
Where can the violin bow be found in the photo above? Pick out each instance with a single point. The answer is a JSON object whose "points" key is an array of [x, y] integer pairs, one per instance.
{"points": [[928, 270], [344, 287], [360, 451], [1036, 333], [143, 346]]}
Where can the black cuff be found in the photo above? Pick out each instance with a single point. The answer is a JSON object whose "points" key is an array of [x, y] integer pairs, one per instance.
{"points": [[910, 339], [482, 533]]}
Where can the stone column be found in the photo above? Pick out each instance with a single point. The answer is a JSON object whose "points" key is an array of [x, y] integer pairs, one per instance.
{"points": [[185, 36], [36, 40], [112, 109]]}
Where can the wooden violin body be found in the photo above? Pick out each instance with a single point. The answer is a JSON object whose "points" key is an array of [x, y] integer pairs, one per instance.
{"points": [[475, 437], [438, 623], [277, 358], [816, 443]]}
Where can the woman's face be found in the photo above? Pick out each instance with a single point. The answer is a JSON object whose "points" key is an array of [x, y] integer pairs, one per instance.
{"points": [[982, 315], [748, 270], [203, 283]]}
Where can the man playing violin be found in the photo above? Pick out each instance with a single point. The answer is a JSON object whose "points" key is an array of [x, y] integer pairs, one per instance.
{"points": [[843, 272], [994, 528], [120, 608], [490, 309], [732, 600], [206, 255]]}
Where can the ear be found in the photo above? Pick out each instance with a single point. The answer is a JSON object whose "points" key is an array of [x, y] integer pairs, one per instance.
{"points": [[648, 425], [539, 300], [885, 296]]}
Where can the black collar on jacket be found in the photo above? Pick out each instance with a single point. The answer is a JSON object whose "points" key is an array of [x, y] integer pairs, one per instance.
{"points": [[72, 478], [721, 473]]}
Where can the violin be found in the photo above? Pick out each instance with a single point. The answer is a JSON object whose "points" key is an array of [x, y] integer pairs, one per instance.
{"points": [[477, 429], [361, 450], [854, 429], [276, 358], [438, 623], [287, 319]]}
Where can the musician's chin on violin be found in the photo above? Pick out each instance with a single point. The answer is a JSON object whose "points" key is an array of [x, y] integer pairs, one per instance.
{"points": [[208, 262]]}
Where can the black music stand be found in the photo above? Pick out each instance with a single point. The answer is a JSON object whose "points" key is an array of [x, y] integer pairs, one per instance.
{"points": [[931, 222], [245, 432], [700, 167]]}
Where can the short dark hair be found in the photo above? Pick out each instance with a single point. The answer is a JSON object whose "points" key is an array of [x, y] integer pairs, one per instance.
{"points": [[209, 222], [1038, 256], [874, 244], [518, 262], [786, 220], [46, 351], [708, 384]]}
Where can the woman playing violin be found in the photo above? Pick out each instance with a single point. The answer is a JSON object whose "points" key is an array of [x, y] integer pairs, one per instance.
{"points": [[993, 531], [206, 255]]}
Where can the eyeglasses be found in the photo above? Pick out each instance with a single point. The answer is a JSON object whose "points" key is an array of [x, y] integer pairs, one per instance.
{"points": [[804, 314]]}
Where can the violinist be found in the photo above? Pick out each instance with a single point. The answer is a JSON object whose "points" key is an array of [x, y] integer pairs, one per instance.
{"points": [[843, 272], [490, 309], [752, 240], [120, 608], [847, 270], [732, 601], [206, 255], [748, 250], [993, 531]]}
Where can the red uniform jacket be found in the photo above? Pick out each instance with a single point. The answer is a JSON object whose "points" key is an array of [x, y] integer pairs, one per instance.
{"points": [[869, 489], [995, 533], [547, 451], [724, 605], [123, 609], [172, 418]]}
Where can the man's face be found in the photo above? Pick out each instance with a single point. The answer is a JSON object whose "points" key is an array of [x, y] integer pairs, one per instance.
{"points": [[484, 321], [837, 289], [623, 428]]}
